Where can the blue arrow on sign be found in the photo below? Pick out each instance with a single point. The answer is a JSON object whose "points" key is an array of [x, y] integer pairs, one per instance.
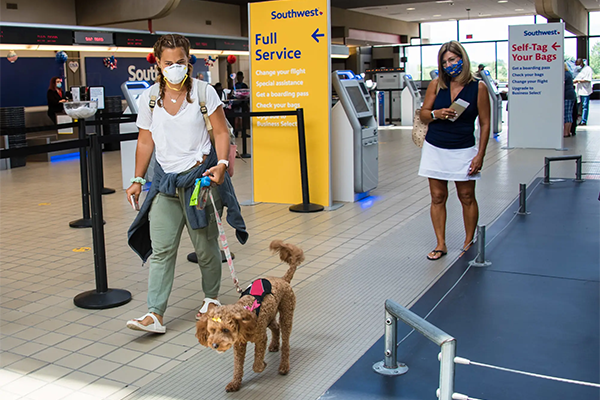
{"points": [[317, 35]]}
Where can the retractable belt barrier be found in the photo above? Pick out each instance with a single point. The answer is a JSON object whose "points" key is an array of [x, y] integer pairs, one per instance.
{"points": [[102, 297]]}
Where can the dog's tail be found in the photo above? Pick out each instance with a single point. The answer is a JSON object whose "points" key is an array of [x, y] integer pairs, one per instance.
{"points": [[290, 254]]}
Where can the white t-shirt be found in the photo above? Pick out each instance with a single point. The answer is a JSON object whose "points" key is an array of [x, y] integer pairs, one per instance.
{"points": [[584, 88], [180, 140]]}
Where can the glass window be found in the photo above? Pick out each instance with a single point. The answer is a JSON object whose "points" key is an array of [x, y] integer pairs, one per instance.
{"points": [[539, 19], [594, 23], [438, 32], [484, 29], [594, 61], [570, 49], [569, 34], [429, 61], [482, 53], [502, 62], [413, 61]]}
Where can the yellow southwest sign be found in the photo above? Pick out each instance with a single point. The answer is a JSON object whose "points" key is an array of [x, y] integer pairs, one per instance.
{"points": [[290, 68]]}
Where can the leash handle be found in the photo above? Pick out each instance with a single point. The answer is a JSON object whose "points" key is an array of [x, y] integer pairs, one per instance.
{"points": [[223, 239]]}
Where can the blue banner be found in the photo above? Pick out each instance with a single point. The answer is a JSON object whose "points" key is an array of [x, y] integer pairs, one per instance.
{"points": [[25, 82]]}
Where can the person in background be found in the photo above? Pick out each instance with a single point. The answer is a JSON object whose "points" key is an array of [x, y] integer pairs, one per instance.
{"points": [[239, 77], [56, 98], [584, 88], [570, 99], [200, 76], [240, 105], [450, 152], [219, 89], [479, 72]]}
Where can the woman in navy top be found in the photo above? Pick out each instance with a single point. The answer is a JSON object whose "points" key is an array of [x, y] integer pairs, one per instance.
{"points": [[449, 152], [570, 99]]}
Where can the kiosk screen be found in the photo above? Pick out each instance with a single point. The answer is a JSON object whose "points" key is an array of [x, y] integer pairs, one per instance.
{"points": [[363, 88], [413, 86], [357, 99]]}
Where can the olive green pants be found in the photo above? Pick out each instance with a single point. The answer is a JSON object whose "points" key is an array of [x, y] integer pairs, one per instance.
{"points": [[167, 219]]}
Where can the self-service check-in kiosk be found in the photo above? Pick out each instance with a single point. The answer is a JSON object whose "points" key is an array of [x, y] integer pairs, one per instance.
{"points": [[411, 100], [495, 100], [354, 140], [132, 91], [391, 82]]}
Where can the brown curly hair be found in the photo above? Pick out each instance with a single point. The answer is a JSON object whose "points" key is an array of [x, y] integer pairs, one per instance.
{"points": [[173, 41]]}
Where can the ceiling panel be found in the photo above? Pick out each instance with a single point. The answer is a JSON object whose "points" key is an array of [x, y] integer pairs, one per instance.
{"points": [[444, 10], [424, 10]]}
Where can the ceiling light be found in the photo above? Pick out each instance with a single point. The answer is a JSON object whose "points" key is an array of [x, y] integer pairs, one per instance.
{"points": [[519, 9], [502, 1], [437, 15], [485, 15], [451, 19], [444, 1], [410, 9]]}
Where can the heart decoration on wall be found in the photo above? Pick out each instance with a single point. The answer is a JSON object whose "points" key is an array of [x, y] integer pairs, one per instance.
{"points": [[73, 66]]}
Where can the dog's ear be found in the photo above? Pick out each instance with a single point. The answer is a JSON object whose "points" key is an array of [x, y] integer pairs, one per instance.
{"points": [[246, 321], [202, 330]]}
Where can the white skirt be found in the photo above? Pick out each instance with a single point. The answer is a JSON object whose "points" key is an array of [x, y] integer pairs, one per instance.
{"points": [[447, 164]]}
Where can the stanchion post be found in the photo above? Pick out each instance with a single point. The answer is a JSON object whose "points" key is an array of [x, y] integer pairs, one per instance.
{"points": [[546, 171], [579, 166], [306, 206], [480, 260], [244, 145], [102, 297], [391, 336], [447, 370], [86, 221], [522, 200]]}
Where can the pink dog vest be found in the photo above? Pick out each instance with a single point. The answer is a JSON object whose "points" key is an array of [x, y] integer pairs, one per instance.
{"points": [[258, 289]]}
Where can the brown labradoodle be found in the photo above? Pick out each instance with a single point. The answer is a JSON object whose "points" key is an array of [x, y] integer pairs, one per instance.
{"points": [[248, 319]]}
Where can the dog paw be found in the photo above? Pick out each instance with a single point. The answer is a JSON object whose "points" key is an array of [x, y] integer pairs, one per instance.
{"points": [[259, 367], [233, 386], [284, 368], [274, 347]]}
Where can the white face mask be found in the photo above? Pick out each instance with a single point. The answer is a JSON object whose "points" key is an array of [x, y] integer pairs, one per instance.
{"points": [[175, 73]]}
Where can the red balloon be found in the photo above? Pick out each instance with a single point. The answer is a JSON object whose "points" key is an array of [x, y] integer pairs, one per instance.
{"points": [[150, 58], [231, 59]]}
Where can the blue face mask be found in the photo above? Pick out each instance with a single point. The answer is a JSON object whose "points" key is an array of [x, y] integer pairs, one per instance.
{"points": [[59, 85], [454, 70]]}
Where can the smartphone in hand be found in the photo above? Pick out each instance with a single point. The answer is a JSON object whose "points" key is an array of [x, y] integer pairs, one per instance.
{"points": [[459, 106], [134, 203]]}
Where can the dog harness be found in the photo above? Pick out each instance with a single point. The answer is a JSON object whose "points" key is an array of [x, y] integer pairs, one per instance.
{"points": [[258, 289]]}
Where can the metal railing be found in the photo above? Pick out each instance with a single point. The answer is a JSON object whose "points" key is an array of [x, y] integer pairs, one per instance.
{"points": [[390, 365], [548, 160]]}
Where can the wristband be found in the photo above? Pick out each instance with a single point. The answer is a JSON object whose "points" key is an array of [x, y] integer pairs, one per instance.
{"points": [[226, 162], [139, 180], [433, 116]]}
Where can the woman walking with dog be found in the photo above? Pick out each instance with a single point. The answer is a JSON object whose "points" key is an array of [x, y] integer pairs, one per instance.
{"points": [[452, 103], [175, 120]]}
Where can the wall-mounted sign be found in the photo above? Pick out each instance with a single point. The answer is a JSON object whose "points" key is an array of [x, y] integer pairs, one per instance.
{"points": [[93, 38], [536, 83], [18, 35], [231, 44], [291, 68], [97, 95], [135, 39], [202, 43]]}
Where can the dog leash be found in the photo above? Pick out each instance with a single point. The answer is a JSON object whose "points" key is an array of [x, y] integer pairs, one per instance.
{"points": [[199, 199]]}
